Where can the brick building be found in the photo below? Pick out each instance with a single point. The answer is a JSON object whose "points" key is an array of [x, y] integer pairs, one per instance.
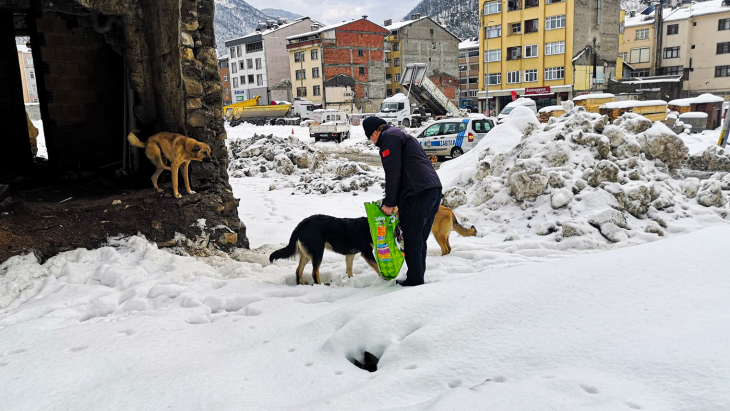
{"points": [[352, 48], [225, 79]]}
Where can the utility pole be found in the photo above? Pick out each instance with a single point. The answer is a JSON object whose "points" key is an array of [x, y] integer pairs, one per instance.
{"points": [[725, 130], [658, 34]]}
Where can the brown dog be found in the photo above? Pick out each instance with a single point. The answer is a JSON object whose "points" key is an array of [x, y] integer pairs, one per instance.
{"points": [[445, 222], [180, 150]]}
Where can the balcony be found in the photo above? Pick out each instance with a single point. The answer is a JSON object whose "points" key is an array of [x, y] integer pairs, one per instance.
{"points": [[514, 5], [514, 53]]}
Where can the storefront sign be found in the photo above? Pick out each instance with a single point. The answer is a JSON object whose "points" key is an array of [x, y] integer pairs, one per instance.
{"points": [[537, 90], [239, 91]]}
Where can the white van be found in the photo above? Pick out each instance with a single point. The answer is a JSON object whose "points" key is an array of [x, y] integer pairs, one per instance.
{"points": [[453, 136], [522, 101]]}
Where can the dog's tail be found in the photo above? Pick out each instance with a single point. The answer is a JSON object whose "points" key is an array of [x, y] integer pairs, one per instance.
{"points": [[289, 250], [463, 231], [133, 140]]}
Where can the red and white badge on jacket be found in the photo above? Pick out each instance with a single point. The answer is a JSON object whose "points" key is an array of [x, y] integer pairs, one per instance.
{"points": [[386, 153]]}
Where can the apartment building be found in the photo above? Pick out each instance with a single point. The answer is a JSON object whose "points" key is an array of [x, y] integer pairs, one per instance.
{"points": [[419, 40], [695, 43], [469, 69], [259, 61], [354, 49], [27, 70], [225, 79], [546, 49]]}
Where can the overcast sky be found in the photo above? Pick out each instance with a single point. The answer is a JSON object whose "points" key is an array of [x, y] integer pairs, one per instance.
{"points": [[334, 11]]}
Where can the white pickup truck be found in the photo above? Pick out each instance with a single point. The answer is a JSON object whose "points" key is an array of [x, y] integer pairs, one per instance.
{"points": [[329, 125]]}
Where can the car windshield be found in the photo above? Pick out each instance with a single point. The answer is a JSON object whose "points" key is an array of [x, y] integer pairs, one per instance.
{"points": [[507, 110], [389, 107]]}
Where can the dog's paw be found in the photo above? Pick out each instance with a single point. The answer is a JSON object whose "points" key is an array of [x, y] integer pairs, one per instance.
{"points": [[178, 195], [159, 190], [192, 192]]}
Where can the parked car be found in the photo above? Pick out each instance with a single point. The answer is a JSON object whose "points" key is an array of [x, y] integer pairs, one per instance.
{"points": [[329, 125], [520, 102], [453, 137]]}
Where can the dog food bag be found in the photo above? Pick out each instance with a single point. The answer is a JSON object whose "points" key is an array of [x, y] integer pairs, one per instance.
{"points": [[387, 240]]}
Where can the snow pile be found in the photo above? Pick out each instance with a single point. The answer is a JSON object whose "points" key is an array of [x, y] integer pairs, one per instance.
{"points": [[582, 181], [594, 96], [270, 156]]}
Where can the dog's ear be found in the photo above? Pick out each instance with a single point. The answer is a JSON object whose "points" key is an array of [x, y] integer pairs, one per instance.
{"points": [[195, 149]]}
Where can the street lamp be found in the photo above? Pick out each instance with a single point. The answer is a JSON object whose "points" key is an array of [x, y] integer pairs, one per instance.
{"points": [[486, 63]]}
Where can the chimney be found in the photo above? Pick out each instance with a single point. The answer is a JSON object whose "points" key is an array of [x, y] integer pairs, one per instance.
{"points": [[314, 27], [632, 13], [388, 22], [365, 17], [415, 16]]}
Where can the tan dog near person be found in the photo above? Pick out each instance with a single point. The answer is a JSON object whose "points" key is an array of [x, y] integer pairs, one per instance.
{"points": [[445, 222], [180, 150]]}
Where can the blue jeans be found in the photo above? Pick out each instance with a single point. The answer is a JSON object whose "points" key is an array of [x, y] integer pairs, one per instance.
{"points": [[416, 220]]}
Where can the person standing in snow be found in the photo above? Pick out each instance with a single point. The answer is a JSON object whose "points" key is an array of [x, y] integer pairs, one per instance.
{"points": [[412, 185]]}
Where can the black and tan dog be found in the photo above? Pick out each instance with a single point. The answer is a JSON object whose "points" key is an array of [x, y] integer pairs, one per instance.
{"points": [[180, 150], [346, 236]]}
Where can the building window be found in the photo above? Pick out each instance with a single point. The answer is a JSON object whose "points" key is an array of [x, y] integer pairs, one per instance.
{"points": [[35, 100], [254, 47], [494, 79], [315, 72], [397, 77], [672, 70], [555, 22], [640, 55], [234, 68], [531, 26], [516, 28], [258, 64], [396, 90], [494, 31], [259, 79], [225, 77], [621, 27], [361, 53], [233, 52], [396, 46], [474, 67], [30, 61], [464, 81], [640, 73], [250, 79], [554, 73], [462, 67], [722, 48], [462, 54], [553, 1], [493, 7], [623, 56], [314, 55], [530, 76], [671, 52], [396, 62], [493, 55], [32, 73], [723, 24], [722, 71], [298, 56], [514, 53], [389, 77], [361, 71], [642, 34], [532, 3], [556, 47], [473, 80], [249, 62], [513, 77], [301, 92], [474, 53], [317, 90], [300, 74], [599, 74], [243, 80], [531, 51], [235, 82], [514, 5], [388, 93], [34, 89], [673, 29], [472, 93]]}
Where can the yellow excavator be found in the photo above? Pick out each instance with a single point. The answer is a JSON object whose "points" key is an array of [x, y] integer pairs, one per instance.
{"points": [[279, 114]]}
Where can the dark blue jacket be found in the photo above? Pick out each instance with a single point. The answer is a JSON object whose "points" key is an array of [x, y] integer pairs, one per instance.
{"points": [[408, 171]]}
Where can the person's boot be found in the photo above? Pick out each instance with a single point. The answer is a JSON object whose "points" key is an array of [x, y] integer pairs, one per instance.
{"points": [[405, 283]]}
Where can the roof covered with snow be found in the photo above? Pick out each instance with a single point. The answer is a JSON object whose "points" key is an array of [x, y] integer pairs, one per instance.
{"points": [[593, 96], [550, 109], [634, 103], [468, 44], [22, 48], [653, 79], [701, 99], [680, 13], [693, 114], [326, 28], [398, 25]]}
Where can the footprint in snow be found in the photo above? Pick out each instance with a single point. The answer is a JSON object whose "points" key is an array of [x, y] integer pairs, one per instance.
{"points": [[589, 389], [455, 384], [18, 351], [292, 349], [4, 363], [339, 372], [633, 406], [308, 364], [126, 332], [410, 367], [79, 348]]}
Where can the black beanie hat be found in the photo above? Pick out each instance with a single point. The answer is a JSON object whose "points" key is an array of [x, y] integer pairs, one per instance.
{"points": [[371, 124]]}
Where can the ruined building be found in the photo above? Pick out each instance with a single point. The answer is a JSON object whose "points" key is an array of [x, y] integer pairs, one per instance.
{"points": [[105, 68]]}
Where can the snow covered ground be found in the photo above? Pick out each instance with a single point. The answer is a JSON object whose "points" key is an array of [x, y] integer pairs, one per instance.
{"points": [[527, 324], [41, 139]]}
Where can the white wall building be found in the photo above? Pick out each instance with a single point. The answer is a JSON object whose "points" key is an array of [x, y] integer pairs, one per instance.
{"points": [[260, 60]]}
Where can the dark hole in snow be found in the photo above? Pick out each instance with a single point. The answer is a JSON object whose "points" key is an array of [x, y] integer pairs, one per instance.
{"points": [[369, 362]]}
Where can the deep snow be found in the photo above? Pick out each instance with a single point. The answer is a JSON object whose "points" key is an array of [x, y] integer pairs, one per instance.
{"points": [[526, 324]]}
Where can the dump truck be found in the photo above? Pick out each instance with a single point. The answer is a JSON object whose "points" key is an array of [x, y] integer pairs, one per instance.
{"points": [[279, 114], [398, 109]]}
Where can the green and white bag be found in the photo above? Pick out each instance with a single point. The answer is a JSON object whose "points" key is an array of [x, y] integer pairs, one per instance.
{"points": [[387, 240]]}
